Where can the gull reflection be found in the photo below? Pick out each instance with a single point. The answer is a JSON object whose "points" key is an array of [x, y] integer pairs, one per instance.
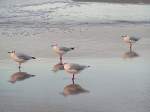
{"points": [[19, 76], [130, 54], [73, 89], [57, 67]]}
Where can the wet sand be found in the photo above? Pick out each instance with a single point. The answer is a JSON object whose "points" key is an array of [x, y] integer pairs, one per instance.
{"points": [[118, 1], [117, 81], [113, 85], [89, 40]]}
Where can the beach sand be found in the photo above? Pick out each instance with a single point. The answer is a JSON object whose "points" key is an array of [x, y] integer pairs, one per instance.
{"points": [[118, 1], [89, 40], [115, 82]]}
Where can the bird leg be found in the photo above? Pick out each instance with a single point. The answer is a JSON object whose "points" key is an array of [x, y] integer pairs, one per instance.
{"points": [[60, 58], [73, 79], [130, 47], [19, 66]]}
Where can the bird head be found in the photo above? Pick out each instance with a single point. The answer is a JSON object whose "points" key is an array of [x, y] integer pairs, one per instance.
{"points": [[12, 52], [124, 36]]}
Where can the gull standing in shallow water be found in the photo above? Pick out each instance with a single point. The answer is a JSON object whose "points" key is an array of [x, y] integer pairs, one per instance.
{"points": [[61, 50], [74, 68], [130, 40], [20, 58]]}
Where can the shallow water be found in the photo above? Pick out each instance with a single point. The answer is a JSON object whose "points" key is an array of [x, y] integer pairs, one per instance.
{"points": [[55, 13], [112, 84], [89, 41], [117, 81]]}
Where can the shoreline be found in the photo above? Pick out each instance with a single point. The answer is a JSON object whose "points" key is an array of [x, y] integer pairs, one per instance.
{"points": [[71, 25], [117, 1], [89, 41]]}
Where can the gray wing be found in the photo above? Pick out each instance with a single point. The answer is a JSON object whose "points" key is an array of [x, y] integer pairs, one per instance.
{"points": [[64, 49], [77, 66], [134, 38], [23, 56]]}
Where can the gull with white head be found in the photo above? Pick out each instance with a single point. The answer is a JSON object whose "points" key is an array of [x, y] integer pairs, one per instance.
{"points": [[73, 68], [20, 57], [61, 50], [130, 40]]}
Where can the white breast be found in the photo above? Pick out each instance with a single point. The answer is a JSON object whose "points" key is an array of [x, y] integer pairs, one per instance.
{"points": [[57, 50], [15, 58], [70, 69], [126, 39]]}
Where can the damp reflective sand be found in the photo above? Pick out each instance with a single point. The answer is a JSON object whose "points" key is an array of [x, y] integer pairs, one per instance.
{"points": [[118, 79], [111, 84]]}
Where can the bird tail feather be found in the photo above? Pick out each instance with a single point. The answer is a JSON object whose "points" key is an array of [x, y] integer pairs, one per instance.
{"points": [[72, 48], [88, 66], [33, 58]]}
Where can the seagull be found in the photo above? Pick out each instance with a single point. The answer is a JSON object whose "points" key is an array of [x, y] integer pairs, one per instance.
{"points": [[20, 58], [61, 50], [130, 40], [73, 68]]}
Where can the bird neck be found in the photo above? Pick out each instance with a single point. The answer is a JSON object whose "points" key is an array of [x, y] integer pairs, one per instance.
{"points": [[126, 38], [12, 54], [55, 47]]}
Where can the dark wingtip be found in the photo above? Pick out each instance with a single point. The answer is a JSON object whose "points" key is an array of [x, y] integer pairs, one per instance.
{"points": [[88, 66], [72, 48], [33, 58]]}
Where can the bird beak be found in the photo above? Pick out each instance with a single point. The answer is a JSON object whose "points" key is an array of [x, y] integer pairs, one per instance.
{"points": [[9, 52]]}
